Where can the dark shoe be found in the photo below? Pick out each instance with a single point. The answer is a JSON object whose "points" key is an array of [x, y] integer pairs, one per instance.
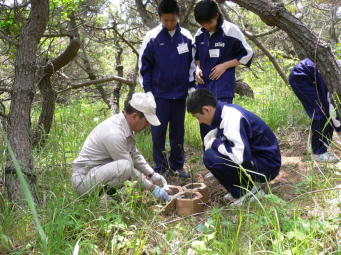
{"points": [[108, 190], [181, 173]]}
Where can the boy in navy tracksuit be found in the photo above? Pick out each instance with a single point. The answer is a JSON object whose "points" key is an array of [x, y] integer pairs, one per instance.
{"points": [[239, 138], [308, 85], [219, 46], [167, 71]]}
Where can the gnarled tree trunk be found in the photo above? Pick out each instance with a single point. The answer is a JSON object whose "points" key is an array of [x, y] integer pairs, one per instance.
{"points": [[48, 93], [19, 125]]}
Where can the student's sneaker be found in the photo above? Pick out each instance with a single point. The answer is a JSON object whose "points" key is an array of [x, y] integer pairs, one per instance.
{"points": [[209, 177], [252, 195], [326, 157], [181, 173], [229, 198]]}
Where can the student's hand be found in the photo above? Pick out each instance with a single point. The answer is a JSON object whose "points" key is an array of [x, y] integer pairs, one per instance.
{"points": [[160, 194], [198, 76], [159, 180], [217, 71]]}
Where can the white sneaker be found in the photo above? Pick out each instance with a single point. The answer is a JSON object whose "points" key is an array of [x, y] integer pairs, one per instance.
{"points": [[229, 198], [209, 176], [326, 157], [252, 195]]}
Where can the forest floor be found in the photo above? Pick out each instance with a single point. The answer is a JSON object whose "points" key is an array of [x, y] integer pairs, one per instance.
{"points": [[297, 165]]}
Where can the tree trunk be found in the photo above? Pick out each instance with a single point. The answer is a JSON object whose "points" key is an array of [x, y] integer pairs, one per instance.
{"points": [[243, 89], [133, 87], [275, 14], [19, 126], [148, 20], [115, 102], [48, 94]]}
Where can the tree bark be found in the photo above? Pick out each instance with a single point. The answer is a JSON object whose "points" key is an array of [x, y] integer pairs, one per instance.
{"points": [[275, 14], [132, 88], [19, 126], [115, 101], [148, 20], [47, 92]]}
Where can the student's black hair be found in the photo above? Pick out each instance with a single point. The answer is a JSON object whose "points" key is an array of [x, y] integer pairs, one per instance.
{"points": [[206, 10], [130, 110], [200, 98], [167, 7]]}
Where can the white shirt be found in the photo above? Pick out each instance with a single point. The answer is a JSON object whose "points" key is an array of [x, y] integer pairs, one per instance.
{"points": [[171, 32], [109, 141]]}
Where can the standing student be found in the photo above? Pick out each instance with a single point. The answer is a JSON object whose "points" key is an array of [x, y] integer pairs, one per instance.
{"points": [[240, 150], [167, 71], [219, 46], [308, 85]]}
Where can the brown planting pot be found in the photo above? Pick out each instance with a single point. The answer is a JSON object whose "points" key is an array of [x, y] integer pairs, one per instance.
{"points": [[173, 192], [189, 202], [198, 187]]}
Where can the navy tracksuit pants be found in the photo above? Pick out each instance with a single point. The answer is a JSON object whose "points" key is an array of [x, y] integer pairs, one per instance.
{"points": [[171, 112], [316, 104], [232, 177], [204, 129]]}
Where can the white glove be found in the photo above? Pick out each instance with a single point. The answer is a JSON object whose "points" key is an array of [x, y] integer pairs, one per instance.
{"points": [[149, 93], [208, 137], [159, 180], [191, 90]]}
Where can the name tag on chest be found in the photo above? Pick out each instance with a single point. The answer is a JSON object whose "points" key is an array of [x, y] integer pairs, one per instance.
{"points": [[214, 53], [182, 48]]}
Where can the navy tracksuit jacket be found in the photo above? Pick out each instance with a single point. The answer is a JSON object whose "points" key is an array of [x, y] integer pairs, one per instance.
{"points": [[227, 43], [242, 139], [308, 85], [167, 69]]}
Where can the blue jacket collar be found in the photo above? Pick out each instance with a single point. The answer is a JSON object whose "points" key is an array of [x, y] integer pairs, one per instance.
{"points": [[217, 115]]}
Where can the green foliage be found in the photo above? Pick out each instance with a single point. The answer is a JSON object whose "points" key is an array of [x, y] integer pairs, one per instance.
{"points": [[65, 7]]}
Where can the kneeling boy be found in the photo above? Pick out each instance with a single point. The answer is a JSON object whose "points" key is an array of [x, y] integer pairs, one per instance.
{"points": [[241, 149]]}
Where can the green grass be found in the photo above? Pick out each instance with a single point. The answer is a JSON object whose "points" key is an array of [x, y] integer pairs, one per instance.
{"points": [[132, 223]]}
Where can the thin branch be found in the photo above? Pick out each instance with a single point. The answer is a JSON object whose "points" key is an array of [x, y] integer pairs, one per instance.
{"points": [[7, 38], [188, 13], [267, 33], [269, 55], [57, 35], [2, 89], [126, 41], [99, 81]]}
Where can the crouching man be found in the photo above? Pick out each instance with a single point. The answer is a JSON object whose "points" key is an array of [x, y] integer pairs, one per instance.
{"points": [[109, 155], [240, 151]]}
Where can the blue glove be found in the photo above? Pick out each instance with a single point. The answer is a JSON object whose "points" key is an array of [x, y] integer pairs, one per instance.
{"points": [[161, 194]]}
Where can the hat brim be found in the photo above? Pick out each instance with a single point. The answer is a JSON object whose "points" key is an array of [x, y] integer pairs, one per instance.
{"points": [[152, 119]]}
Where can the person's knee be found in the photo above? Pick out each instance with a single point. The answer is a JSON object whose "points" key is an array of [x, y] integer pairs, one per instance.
{"points": [[124, 166]]}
